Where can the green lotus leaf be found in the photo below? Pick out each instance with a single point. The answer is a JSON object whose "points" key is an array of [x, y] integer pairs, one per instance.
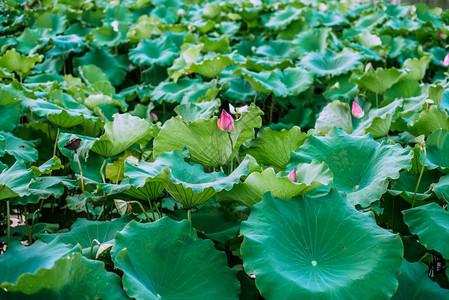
{"points": [[259, 64], [368, 40], [406, 184], [166, 14], [297, 80], [20, 149], [53, 163], [239, 91], [122, 133], [327, 241], [161, 52], [416, 68], [106, 36], [172, 92], [9, 116], [114, 66], [92, 74], [245, 125], [330, 63], [264, 82], [405, 25], [379, 80], [219, 45], [19, 261], [424, 14], [54, 22], [84, 232], [430, 223], [15, 181], [311, 40], [335, 114], [28, 42], [278, 49], [361, 166], [441, 188], [83, 278], [411, 273], [197, 110], [152, 273], [428, 121], [282, 18], [44, 187], [341, 88], [115, 171], [15, 62], [309, 177], [437, 146], [403, 89], [65, 44], [211, 67], [273, 148], [145, 28], [370, 20]]}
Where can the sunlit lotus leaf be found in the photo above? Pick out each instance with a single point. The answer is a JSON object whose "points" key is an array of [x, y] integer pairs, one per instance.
{"points": [[411, 273], [264, 82], [145, 28], [379, 80], [309, 177], [406, 25], [160, 51], [15, 181], [327, 242], [437, 146], [20, 149], [428, 121], [211, 67], [297, 80], [28, 42], [83, 278], [114, 66], [84, 232], [361, 166], [92, 74], [312, 40], [53, 163], [441, 188], [281, 18], [403, 89], [20, 261], [122, 133], [56, 23], [406, 184], [197, 110], [219, 45], [335, 114], [16, 62], [115, 171], [331, 63], [416, 68], [106, 36], [368, 40], [245, 125], [273, 148], [430, 223]]}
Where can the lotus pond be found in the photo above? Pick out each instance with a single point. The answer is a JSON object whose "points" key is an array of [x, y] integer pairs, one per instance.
{"points": [[174, 149]]}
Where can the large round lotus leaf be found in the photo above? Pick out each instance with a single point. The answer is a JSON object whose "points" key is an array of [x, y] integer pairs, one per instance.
{"points": [[437, 147], [211, 67], [197, 110], [312, 40], [84, 232], [172, 92], [330, 63], [20, 149], [335, 114], [106, 36], [10, 116], [15, 62], [379, 80], [297, 80], [429, 121], [308, 177], [166, 260], [273, 148], [73, 277], [122, 133], [278, 49], [441, 189], [430, 223], [112, 65], [19, 260], [15, 181], [411, 274], [281, 18], [207, 144], [44, 187], [264, 82], [416, 67], [259, 64], [319, 248], [361, 166], [65, 44], [240, 89], [161, 52]]}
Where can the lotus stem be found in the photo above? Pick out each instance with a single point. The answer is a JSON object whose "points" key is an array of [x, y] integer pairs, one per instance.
{"points": [[30, 239], [189, 215], [143, 210], [158, 212], [423, 146], [56, 142], [255, 98], [271, 108], [364, 128], [92, 247], [81, 172], [152, 209], [101, 170], [8, 229], [377, 100]]}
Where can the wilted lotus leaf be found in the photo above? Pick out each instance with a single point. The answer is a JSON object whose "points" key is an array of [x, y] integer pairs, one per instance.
{"points": [[361, 166], [162, 258], [430, 223], [314, 247]]}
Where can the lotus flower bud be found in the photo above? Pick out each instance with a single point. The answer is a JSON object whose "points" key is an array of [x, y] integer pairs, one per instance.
{"points": [[440, 35], [154, 117], [445, 62], [292, 175], [226, 122], [357, 111]]}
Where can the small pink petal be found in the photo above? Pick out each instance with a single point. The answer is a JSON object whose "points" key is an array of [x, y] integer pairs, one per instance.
{"points": [[154, 117], [357, 111], [440, 35], [445, 62], [226, 122], [292, 175]]}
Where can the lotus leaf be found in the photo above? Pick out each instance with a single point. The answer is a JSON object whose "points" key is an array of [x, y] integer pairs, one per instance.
{"points": [[437, 147], [441, 189], [335, 114], [330, 63], [281, 18], [15, 181], [197, 110], [15, 62], [211, 67], [297, 80], [428, 121], [161, 52], [406, 184], [20, 149], [334, 252], [264, 82], [361, 166], [150, 272], [430, 223], [312, 40], [379, 80]]}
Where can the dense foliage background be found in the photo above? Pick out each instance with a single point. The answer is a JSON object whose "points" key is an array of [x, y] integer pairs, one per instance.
{"points": [[124, 176]]}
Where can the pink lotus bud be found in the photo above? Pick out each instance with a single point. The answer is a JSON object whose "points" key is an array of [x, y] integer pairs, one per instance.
{"points": [[154, 117], [357, 111], [440, 35], [292, 175], [25, 6], [226, 122], [445, 62]]}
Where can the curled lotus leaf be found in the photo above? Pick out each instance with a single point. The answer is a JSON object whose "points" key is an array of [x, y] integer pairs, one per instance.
{"points": [[331, 64], [437, 147], [15, 181], [19, 148], [264, 81], [162, 258], [441, 188], [361, 166], [319, 248]]}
